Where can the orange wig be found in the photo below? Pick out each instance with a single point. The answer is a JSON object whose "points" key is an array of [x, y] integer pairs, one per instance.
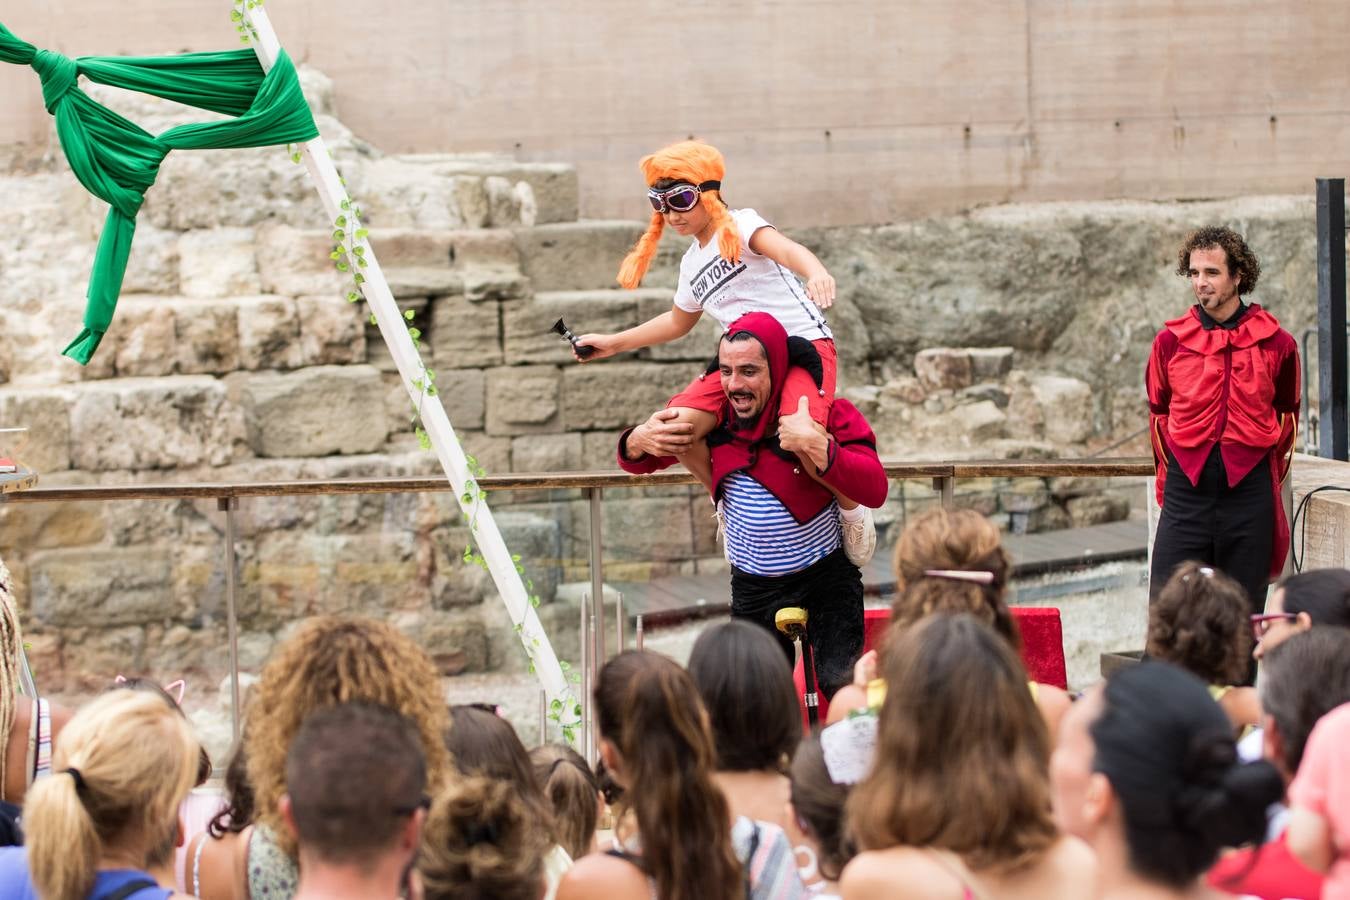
{"points": [[694, 162]]}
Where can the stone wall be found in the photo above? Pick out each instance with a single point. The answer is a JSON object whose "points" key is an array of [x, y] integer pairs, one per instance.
{"points": [[233, 357]]}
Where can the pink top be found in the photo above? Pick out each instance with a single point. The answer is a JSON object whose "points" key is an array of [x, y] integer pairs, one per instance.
{"points": [[1322, 786]]}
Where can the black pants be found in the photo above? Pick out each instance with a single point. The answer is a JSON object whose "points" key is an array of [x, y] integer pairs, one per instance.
{"points": [[1231, 529], [831, 592]]}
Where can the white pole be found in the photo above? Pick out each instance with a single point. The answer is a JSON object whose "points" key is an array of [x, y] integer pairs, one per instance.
{"points": [[434, 420]]}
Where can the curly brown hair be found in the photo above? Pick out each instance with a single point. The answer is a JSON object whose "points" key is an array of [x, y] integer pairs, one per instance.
{"points": [[1242, 261], [952, 539], [331, 660], [1199, 622]]}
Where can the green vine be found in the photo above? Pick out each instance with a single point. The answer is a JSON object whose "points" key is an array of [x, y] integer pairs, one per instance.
{"points": [[348, 255], [242, 23]]}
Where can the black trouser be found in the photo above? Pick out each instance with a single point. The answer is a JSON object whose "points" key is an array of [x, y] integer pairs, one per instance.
{"points": [[1231, 529], [831, 592]]}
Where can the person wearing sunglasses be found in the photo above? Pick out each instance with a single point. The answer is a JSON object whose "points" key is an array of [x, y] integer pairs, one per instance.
{"points": [[1315, 597], [737, 263]]}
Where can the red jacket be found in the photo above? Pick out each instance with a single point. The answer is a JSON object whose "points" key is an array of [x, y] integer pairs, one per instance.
{"points": [[1237, 388], [853, 467]]}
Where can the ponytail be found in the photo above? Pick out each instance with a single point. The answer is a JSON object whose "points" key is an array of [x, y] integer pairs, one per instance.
{"points": [[728, 235], [481, 841], [649, 709], [63, 842], [123, 765], [573, 792], [635, 264]]}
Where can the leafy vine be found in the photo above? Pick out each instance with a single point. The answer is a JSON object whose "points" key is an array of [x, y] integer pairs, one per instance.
{"points": [[242, 24]]}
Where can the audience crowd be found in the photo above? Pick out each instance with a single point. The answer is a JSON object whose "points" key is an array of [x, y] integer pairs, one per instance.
{"points": [[944, 772]]}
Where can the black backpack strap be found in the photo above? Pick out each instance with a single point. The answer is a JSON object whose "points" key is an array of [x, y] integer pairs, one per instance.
{"points": [[131, 887]]}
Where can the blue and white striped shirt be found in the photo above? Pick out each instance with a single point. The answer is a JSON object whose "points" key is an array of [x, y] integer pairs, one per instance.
{"points": [[762, 536]]}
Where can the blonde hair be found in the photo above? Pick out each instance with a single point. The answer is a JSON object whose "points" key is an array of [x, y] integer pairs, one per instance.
{"points": [[573, 792], [696, 163], [11, 644], [332, 660], [136, 760], [481, 841]]}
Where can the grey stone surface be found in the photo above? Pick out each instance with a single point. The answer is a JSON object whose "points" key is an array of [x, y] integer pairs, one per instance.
{"points": [[465, 334], [269, 333], [1067, 406], [153, 423], [218, 262], [990, 362], [576, 256], [315, 411], [100, 588], [46, 415], [546, 453], [293, 261], [944, 368], [611, 394], [332, 331], [523, 400], [206, 336], [1094, 509], [527, 325]]}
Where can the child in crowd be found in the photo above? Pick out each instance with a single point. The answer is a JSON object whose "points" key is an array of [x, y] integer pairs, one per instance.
{"points": [[1199, 622], [482, 842], [737, 263], [1319, 829], [816, 810], [573, 792]]}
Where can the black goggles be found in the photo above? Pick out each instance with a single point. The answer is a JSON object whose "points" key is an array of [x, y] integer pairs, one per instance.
{"points": [[681, 197]]}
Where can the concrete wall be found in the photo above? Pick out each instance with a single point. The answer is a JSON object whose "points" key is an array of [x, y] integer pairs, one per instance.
{"points": [[831, 111]]}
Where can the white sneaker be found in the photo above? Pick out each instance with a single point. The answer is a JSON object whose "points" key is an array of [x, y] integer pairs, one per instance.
{"points": [[860, 538]]}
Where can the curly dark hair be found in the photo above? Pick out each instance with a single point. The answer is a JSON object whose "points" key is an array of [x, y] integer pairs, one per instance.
{"points": [[1241, 260], [1199, 622]]}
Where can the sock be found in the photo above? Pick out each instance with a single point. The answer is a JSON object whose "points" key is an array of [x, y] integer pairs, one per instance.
{"points": [[852, 516]]}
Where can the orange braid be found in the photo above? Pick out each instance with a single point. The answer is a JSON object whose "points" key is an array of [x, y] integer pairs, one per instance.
{"points": [[640, 257], [728, 235]]}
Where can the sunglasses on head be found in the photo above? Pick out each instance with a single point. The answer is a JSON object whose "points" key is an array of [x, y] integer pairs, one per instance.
{"points": [[680, 197]]}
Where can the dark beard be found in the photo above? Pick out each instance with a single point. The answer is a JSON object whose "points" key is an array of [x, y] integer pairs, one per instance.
{"points": [[744, 423]]}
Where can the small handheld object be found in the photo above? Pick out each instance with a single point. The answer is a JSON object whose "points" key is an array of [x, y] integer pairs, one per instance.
{"points": [[582, 350], [791, 621]]}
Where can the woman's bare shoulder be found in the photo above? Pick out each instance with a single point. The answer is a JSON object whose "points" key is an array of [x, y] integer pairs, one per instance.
{"points": [[600, 875]]}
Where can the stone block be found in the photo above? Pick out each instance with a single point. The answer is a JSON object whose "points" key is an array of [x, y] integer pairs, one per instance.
{"points": [[1096, 509], [85, 587], [269, 333], [482, 284], [295, 574], [538, 543], [219, 262], [526, 327], [456, 642], [990, 363], [980, 422], [40, 526], [1022, 495], [1026, 416], [546, 453], [456, 584], [575, 256], [415, 247], [699, 346], [462, 393], [332, 331], [45, 412], [944, 367], [612, 394], [492, 452], [423, 281], [377, 351], [648, 529], [1067, 407], [905, 389], [523, 400], [315, 411], [485, 248], [153, 423], [996, 394], [206, 337], [464, 334], [152, 267], [146, 338], [295, 262], [551, 187], [97, 652], [599, 449]]}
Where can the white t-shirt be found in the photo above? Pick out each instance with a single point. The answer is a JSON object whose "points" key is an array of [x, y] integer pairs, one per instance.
{"points": [[727, 291]]}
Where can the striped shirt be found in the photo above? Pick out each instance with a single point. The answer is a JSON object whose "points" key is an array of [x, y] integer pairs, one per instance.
{"points": [[762, 536]]}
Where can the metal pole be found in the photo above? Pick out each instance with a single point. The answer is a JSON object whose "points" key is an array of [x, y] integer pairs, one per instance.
{"points": [[945, 485], [637, 633], [1331, 351], [618, 624], [586, 685], [543, 717], [597, 578], [229, 505], [596, 626]]}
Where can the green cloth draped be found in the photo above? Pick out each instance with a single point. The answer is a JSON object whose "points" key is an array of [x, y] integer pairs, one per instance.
{"points": [[117, 161]]}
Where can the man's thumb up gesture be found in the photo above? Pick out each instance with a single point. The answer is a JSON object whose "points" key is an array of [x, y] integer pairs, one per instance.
{"points": [[799, 433]]}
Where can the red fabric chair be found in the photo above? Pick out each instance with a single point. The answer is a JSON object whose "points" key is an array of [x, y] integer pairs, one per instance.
{"points": [[1042, 647]]}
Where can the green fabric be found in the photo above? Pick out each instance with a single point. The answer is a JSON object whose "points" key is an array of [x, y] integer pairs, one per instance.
{"points": [[117, 161]]}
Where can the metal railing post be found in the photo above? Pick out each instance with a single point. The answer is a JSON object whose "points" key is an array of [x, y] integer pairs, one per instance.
{"points": [[618, 624], [543, 717], [637, 633], [945, 485], [229, 505], [583, 650], [597, 577], [1333, 440]]}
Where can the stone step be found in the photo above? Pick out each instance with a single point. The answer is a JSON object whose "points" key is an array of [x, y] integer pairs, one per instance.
{"points": [[585, 255], [528, 338], [554, 186]]}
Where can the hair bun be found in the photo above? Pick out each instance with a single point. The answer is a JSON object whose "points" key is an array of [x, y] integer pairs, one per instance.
{"points": [[1226, 800]]}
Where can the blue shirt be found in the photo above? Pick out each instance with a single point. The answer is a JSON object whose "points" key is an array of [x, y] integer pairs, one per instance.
{"points": [[762, 536], [17, 884]]}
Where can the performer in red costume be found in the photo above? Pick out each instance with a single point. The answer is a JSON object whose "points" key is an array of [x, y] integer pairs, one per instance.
{"points": [[1223, 397], [780, 513]]}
